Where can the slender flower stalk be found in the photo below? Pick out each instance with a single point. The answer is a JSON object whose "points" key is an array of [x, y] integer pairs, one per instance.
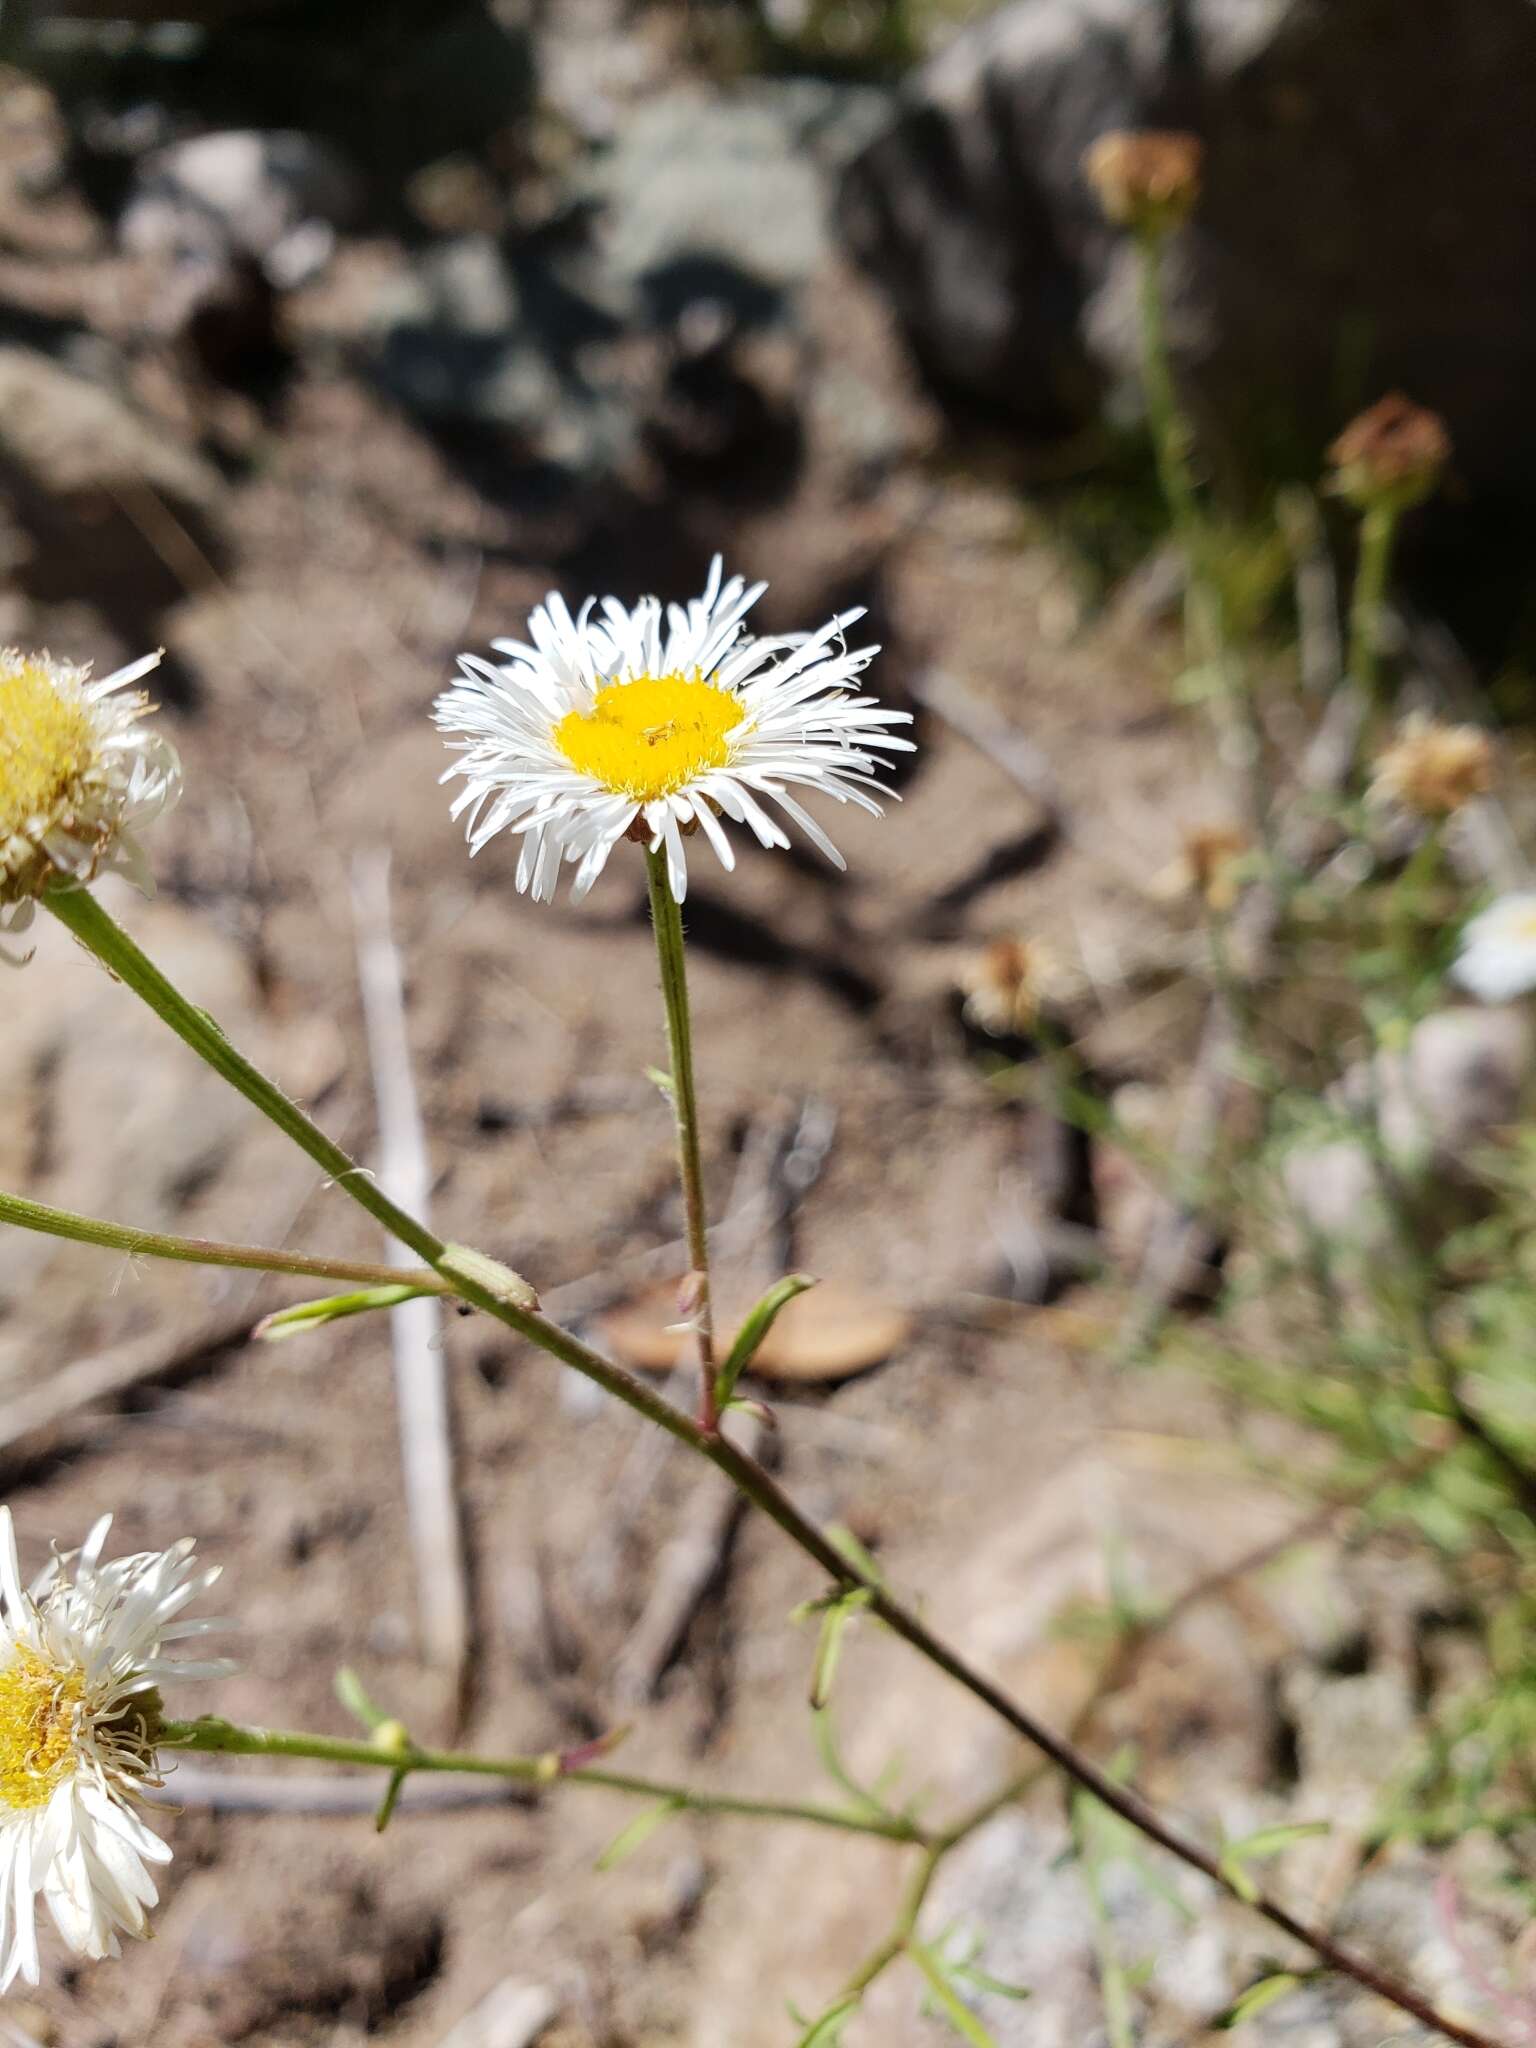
{"points": [[1378, 532], [1205, 608], [224, 1738], [206, 1251], [667, 920], [100, 934]]}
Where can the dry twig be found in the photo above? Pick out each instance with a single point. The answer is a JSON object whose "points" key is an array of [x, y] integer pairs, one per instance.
{"points": [[421, 1385]]}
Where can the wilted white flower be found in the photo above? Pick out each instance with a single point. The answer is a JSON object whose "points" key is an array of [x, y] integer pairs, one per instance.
{"points": [[79, 774], [81, 1660], [1498, 949], [657, 722]]}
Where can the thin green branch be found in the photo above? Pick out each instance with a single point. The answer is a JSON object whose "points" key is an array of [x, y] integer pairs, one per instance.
{"points": [[205, 1251], [224, 1738]]}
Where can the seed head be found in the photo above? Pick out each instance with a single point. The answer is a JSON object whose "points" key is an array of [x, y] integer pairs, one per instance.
{"points": [[1145, 179], [1433, 769]]}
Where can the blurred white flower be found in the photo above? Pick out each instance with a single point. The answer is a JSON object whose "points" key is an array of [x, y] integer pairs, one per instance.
{"points": [[81, 1660], [79, 773], [1498, 949], [656, 723]]}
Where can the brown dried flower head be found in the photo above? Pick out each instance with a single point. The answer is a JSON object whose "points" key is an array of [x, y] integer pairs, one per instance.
{"points": [[1009, 985], [1210, 865], [1433, 769], [1394, 454], [1145, 179]]}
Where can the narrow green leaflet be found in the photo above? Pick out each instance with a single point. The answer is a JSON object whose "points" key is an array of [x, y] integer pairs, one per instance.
{"points": [[752, 1332], [350, 1691], [640, 1830], [949, 2002], [829, 1647], [827, 2032], [313, 1315], [1259, 1997], [848, 1545], [1236, 1856], [864, 1801], [972, 1973]]}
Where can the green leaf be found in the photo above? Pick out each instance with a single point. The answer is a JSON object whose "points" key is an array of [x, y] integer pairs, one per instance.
{"points": [[639, 1830], [829, 1647], [1258, 1997], [948, 2000], [752, 1332], [1236, 1856], [350, 1692], [312, 1315], [827, 2031], [983, 1981], [660, 1078], [847, 1545], [832, 1763]]}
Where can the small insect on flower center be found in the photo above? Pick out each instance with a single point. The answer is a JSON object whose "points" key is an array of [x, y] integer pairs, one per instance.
{"points": [[650, 737], [38, 1706], [45, 745]]}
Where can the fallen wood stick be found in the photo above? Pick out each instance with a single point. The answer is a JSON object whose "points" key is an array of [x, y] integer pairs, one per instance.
{"points": [[421, 1382]]}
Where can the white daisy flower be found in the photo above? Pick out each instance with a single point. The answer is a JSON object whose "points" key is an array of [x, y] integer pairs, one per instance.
{"points": [[656, 723], [1498, 949], [81, 1658], [79, 774]]}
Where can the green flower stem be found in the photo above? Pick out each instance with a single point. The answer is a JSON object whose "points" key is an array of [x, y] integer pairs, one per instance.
{"points": [[79, 911], [1170, 434], [1205, 607], [667, 919], [205, 1251], [1378, 531], [224, 1738], [101, 934]]}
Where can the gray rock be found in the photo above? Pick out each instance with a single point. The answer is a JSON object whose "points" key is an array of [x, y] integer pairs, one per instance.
{"points": [[658, 311], [1368, 194], [276, 197]]}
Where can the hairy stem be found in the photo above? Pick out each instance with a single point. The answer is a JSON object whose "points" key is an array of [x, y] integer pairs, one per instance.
{"points": [[98, 931], [206, 1251], [667, 920], [225, 1738]]}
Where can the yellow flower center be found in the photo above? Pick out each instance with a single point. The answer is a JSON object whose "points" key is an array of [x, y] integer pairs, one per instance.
{"points": [[650, 737], [37, 1727], [45, 745]]}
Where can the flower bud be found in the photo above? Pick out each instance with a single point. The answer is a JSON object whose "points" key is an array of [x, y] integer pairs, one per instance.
{"points": [[1213, 863], [1393, 455], [1145, 179]]}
